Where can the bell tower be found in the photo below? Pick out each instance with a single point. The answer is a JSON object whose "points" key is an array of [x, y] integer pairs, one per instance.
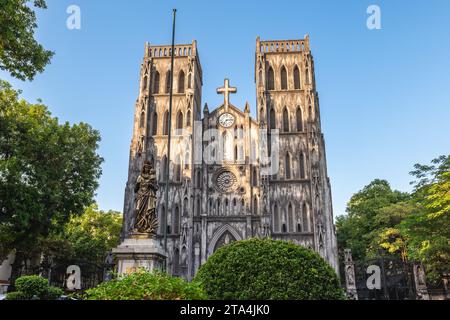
{"points": [[150, 140], [297, 194]]}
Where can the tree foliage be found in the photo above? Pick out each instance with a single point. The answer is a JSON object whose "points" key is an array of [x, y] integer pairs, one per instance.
{"points": [[411, 227], [143, 285], [20, 54], [87, 237], [268, 269], [359, 229], [48, 172]]}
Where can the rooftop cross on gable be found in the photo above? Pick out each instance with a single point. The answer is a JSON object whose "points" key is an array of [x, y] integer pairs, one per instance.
{"points": [[226, 90]]}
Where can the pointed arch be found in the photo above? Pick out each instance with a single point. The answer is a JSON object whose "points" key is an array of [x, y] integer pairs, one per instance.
{"points": [[155, 124], [185, 206], [142, 120], [270, 79], [162, 173], [168, 81], [287, 166], [302, 166], [283, 78], [181, 82], [179, 120], [291, 218], [177, 169], [299, 119], [166, 123], [144, 83], [297, 83], [198, 207], [156, 83], [305, 218], [218, 234], [276, 218], [176, 220], [255, 205], [189, 85], [272, 118], [254, 177], [285, 120], [188, 118]]}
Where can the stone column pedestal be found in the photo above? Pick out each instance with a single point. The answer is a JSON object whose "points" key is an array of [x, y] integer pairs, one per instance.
{"points": [[138, 251]]}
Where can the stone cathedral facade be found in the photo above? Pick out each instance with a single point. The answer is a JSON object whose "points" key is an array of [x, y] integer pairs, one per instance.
{"points": [[231, 176]]}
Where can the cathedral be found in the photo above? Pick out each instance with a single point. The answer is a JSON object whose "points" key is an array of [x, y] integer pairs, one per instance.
{"points": [[231, 176]]}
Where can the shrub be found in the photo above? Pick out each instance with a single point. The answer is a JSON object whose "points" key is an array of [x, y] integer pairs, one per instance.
{"points": [[16, 296], [34, 287], [143, 285], [268, 269]]}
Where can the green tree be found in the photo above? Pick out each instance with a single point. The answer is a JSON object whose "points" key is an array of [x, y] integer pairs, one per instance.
{"points": [[359, 229], [428, 230], [20, 54], [267, 269], [87, 237], [48, 172]]}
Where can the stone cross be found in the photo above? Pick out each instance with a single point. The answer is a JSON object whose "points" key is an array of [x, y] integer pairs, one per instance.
{"points": [[226, 90]]}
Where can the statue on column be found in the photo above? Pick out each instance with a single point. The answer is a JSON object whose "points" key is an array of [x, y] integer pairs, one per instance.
{"points": [[146, 187]]}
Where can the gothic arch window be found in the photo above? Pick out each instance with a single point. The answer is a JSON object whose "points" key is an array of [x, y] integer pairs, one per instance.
{"points": [[156, 83], [302, 166], [177, 168], [189, 80], [168, 81], [163, 166], [176, 262], [181, 82], [155, 124], [166, 123], [218, 211], [283, 78], [254, 177], [285, 120], [198, 207], [307, 74], [299, 119], [188, 118], [185, 207], [176, 220], [227, 206], [272, 119], [270, 79], [144, 84], [276, 218], [255, 205], [291, 218], [180, 120], [310, 108], [142, 120], [243, 206], [234, 206], [261, 114], [199, 179], [287, 166], [305, 218], [260, 78], [296, 78]]}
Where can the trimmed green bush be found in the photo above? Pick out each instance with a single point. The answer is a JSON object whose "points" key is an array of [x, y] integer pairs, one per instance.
{"points": [[143, 285], [268, 269], [34, 287], [16, 296]]}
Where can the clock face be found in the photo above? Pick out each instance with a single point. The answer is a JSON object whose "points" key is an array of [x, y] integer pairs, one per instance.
{"points": [[226, 120], [226, 181]]}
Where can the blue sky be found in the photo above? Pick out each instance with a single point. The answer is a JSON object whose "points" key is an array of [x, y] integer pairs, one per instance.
{"points": [[384, 94]]}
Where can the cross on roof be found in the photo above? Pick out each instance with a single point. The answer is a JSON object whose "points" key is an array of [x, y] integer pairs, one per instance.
{"points": [[226, 90]]}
